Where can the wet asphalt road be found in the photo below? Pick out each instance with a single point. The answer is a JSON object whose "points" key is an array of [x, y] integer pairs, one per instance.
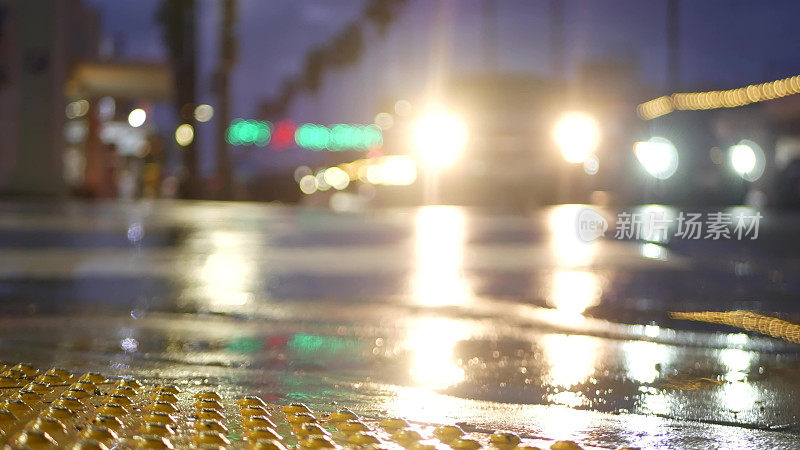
{"points": [[435, 314]]}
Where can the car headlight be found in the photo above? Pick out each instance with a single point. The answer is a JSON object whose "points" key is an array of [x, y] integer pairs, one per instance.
{"points": [[658, 156], [577, 136], [747, 160], [439, 137]]}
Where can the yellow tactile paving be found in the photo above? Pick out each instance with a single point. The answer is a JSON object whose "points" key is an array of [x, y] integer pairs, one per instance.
{"points": [[58, 409]]}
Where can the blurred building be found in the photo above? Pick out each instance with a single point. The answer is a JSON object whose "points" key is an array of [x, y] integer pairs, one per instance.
{"points": [[112, 147], [40, 40], [65, 110]]}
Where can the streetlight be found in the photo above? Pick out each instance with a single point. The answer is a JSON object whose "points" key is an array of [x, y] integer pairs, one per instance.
{"points": [[439, 137], [577, 135]]}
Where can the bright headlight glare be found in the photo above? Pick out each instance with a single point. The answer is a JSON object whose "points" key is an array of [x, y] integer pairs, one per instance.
{"points": [[747, 160], [440, 138], [658, 156], [577, 136]]}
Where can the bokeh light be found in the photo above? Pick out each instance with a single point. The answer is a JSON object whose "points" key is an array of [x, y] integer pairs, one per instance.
{"points": [[338, 137], [402, 108], [577, 135], [397, 170], [439, 137], [591, 165], [308, 184], [106, 108], [137, 117], [337, 178], [658, 156], [730, 98], [384, 120], [184, 134], [322, 185], [654, 251], [300, 172], [203, 113], [743, 158], [78, 108], [249, 132], [748, 160]]}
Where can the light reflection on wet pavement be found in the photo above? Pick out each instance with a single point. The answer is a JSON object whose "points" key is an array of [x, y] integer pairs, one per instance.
{"points": [[437, 314]]}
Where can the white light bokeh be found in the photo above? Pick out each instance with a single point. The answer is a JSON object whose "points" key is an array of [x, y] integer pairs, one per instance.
{"points": [[337, 178], [748, 160], [591, 165], [402, 108], [577, 135], [392, 170], [439, 137], [308, 184], [658, 156], [384, 120], [203, 113], [137, 117]]}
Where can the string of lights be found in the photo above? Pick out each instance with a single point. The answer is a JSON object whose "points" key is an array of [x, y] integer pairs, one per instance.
{"points": [[731, 98], [746, 320], [337, 137]]}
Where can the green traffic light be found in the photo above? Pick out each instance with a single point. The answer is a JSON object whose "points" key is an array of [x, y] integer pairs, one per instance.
{"points": [[310, 136]]}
